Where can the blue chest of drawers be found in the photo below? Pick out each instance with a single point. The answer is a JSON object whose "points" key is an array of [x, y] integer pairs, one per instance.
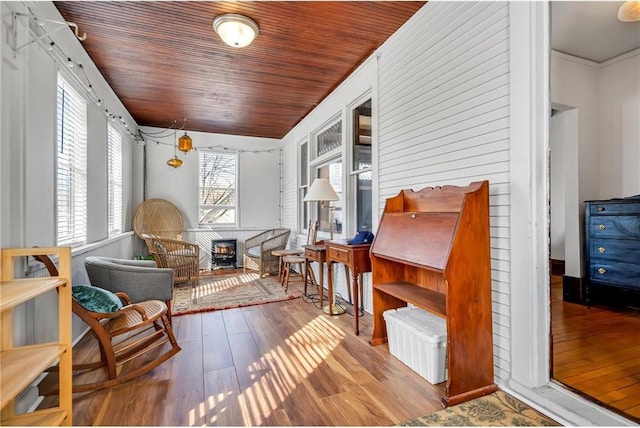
{"points": [[612, 252]]}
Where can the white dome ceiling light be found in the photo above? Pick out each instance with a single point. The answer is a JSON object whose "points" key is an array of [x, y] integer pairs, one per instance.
{"points": [[629, 11], [235, 30]]}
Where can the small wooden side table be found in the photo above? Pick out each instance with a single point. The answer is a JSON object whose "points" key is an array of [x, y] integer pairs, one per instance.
{"points": [[354, 258], [315, 253]]}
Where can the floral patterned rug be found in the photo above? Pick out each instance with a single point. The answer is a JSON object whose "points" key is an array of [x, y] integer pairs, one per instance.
{"points": [[217, 292], [497, 409]]}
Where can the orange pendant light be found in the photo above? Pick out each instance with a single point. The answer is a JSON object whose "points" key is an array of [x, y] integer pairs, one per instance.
{"points": [[175, 162], [184, 143]]}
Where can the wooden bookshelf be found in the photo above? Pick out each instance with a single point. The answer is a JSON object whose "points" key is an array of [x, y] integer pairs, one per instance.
{"points": [[21, 365]]}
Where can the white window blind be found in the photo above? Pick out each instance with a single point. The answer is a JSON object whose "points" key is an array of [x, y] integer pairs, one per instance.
{"points": [[217, 188], [71, 168], [114, 160], [303, 186]]}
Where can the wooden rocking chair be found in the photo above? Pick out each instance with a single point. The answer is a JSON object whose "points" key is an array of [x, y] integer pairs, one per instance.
{"points": [[129, 325]]}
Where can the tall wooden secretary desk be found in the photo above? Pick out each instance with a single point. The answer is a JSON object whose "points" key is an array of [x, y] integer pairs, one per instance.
{"points": [[432, 250]]}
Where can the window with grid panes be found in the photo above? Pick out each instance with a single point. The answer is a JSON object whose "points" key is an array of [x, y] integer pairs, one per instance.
{"points": [[217, 189], [71, 166], [114, 177]]}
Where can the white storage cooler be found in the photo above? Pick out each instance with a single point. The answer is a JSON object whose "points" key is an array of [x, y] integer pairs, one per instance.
{"points": [[418, 339]]}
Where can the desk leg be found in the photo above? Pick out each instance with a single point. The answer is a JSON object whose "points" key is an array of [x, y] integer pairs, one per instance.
{"points": [[330, 286], [321, 284], [306, 275], [356, 300], [348, 282]]}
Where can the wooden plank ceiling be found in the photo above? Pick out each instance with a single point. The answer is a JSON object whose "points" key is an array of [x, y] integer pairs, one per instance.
{"points": [[165, 62]]}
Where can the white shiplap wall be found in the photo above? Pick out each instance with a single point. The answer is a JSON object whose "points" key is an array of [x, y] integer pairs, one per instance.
{"points": [[444, 119]]}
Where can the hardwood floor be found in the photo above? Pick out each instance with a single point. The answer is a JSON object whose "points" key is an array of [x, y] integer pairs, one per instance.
{"points": [[596, 351], [283, 363]]}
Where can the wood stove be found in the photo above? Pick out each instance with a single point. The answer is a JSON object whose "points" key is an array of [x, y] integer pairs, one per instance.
{"points": [[223, 253]]}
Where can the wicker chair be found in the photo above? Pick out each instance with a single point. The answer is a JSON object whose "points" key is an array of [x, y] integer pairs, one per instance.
{"points": [[159, 223], [183, 257], [158, 217], [257, 250]]}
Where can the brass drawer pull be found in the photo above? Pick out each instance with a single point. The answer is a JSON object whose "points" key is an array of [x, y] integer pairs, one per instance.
{"points": [[602, 227], [602, 271], [600, 208], [601, 249]]}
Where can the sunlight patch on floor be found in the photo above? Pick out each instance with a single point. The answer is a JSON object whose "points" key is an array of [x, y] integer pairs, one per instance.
{"points": [[195, 415], [223, 284], [277, 373]]}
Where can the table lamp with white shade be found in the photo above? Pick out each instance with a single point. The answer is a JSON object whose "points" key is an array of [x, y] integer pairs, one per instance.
{"points": [[321, 191]]}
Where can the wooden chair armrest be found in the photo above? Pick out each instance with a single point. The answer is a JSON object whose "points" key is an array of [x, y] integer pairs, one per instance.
{"points": [[137, 308], [103, 316], [124, 297]]}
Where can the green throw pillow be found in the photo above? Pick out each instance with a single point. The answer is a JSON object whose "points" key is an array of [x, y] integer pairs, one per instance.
{"points": [[96, 299]]}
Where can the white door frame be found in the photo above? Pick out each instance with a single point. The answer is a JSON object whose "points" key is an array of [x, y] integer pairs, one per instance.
{"points": [[530, 276]]}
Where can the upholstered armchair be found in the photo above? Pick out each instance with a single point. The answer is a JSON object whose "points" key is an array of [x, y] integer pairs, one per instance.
{"points": [[257, 250], [141, 280], [181, 256]]}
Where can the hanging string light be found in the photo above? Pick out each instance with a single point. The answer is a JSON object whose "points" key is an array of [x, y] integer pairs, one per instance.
{"points": [[184, 143], [76, 70]]}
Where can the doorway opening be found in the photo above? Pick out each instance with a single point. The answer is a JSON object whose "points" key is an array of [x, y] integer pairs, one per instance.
{"points": [[594, 349]]}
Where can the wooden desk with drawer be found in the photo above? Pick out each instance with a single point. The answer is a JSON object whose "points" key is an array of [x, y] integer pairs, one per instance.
{"points": [[354, 258]]}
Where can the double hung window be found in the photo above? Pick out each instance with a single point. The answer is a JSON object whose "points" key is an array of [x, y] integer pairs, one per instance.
{"points": [[217, 189], [71, 166], [327, 163], [303, 185], [361, 166]]}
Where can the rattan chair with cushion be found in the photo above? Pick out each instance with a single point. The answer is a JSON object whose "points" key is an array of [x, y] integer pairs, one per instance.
{"points": [[181, 256], [257, 250], [159, 223]]}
